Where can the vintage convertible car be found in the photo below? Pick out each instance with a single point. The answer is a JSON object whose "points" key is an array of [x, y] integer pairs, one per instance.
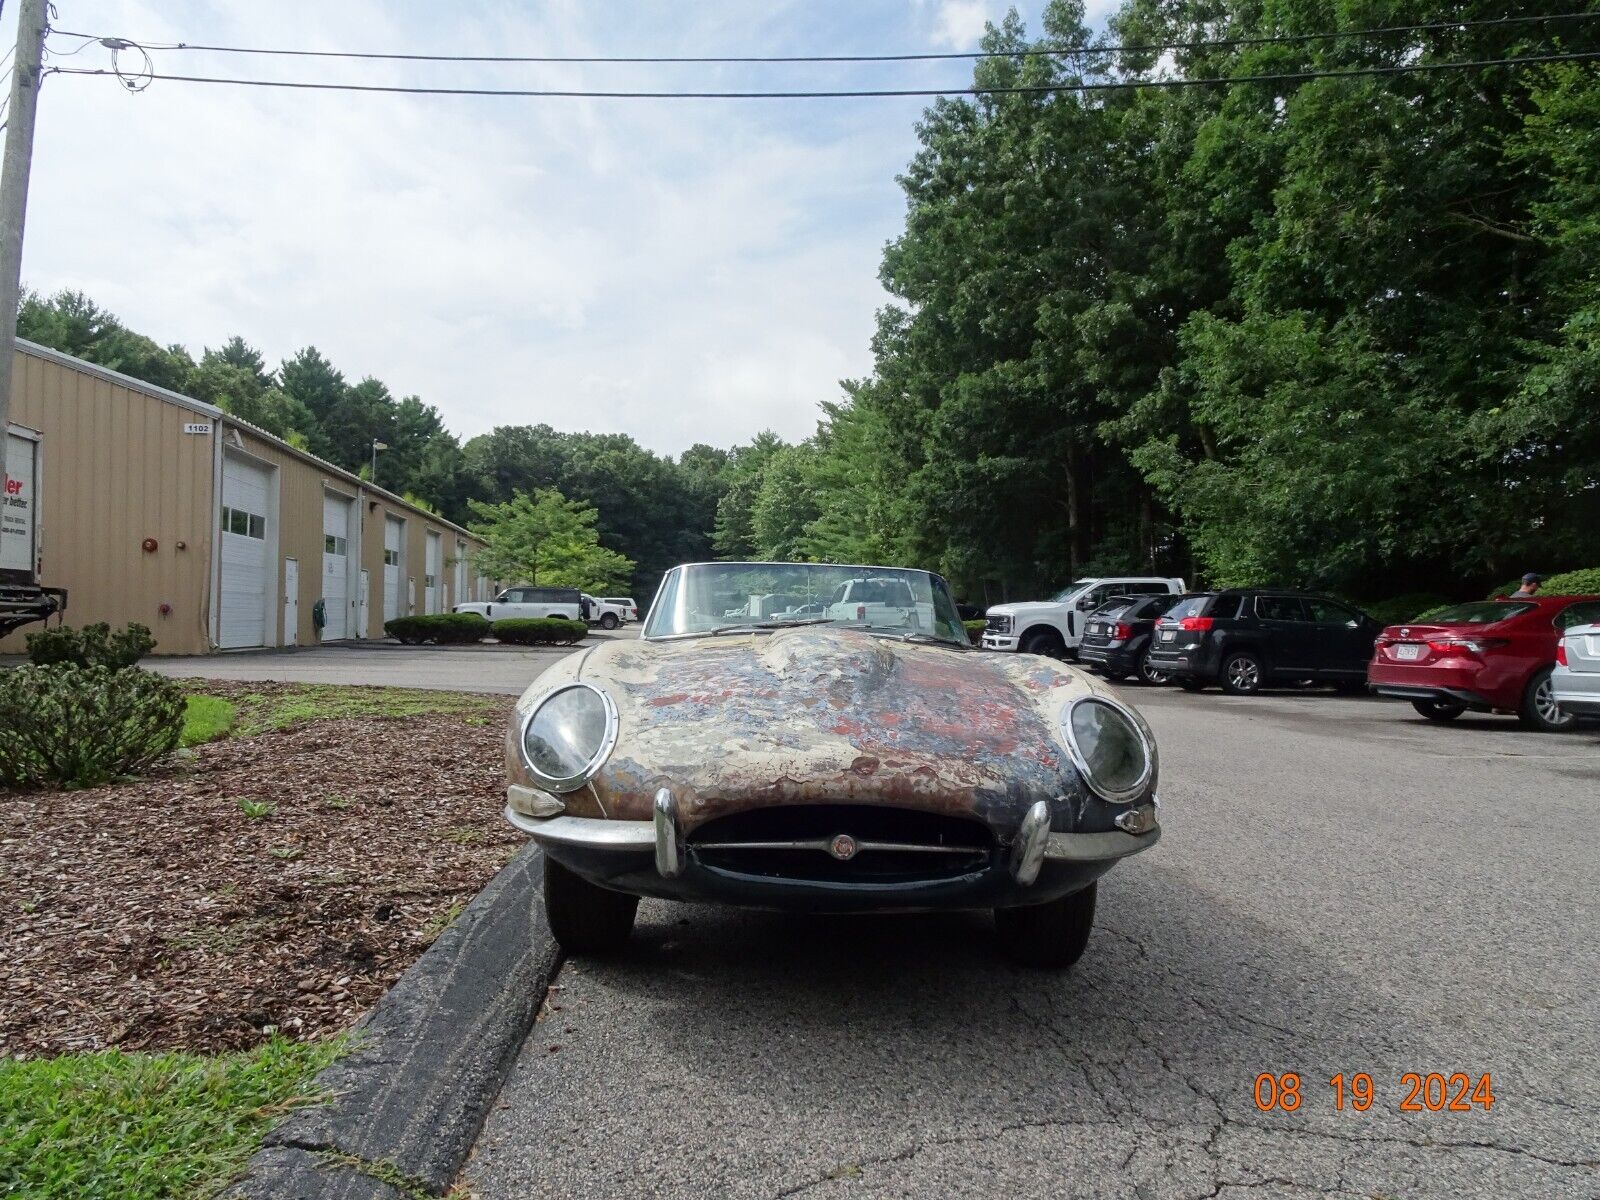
{"points": [[824, 738]]}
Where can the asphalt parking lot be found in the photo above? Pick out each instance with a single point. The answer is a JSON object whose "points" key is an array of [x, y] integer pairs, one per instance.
{"points": [[488, 667], [1342, 888]]}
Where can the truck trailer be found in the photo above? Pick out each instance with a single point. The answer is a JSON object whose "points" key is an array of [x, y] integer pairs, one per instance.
{"points": [[22, 599]]}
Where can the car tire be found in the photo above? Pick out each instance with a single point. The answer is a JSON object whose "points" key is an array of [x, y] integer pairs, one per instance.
{"points": [[1539, 710], [586, 918], [1242, 674], [1438, 710], [609, 621], [1050, 935], [1149, 676], [1112, 676], [1192, 685], [1044, 641]]}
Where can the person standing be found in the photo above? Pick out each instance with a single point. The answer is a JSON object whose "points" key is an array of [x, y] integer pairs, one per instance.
{"points": [[1530, 586]]}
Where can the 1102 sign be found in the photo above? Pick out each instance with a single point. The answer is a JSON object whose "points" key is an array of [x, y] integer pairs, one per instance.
{"points": [[1433, 1092]]}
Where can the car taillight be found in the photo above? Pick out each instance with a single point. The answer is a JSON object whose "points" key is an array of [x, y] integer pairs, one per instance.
{"points": [[1461, 645], [1196, 624], [1561, 653], [1119, 630]]}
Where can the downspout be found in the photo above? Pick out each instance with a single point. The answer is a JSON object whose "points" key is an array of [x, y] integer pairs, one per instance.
{"points": [[208, 628]]}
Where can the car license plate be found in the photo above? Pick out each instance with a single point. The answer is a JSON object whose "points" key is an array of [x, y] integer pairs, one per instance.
{"points": [[1408, 653], [1094, 628], [1169, 635]]}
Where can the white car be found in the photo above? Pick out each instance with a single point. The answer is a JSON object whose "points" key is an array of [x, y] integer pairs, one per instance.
{"points": [[1055, 626], [630, 610], [563, 603], [1575, 681]]}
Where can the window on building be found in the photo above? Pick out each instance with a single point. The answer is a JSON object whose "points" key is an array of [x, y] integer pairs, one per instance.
{"points": [[334, 545], [391, 558], [245, 524]]}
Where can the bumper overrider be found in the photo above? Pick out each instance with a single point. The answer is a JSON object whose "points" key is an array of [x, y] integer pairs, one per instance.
{"points": [[655, 858]]}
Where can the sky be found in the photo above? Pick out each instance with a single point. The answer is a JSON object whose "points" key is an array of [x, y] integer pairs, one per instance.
{"points": [[681, 271]]}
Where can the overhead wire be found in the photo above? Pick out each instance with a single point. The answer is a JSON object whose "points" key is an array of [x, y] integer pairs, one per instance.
{"points": [[856, 93], [1029, 52]]}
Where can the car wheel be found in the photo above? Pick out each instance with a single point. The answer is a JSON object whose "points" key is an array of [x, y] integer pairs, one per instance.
{"points": [[609, 621], [586, 918], [1241, 674], [1112, 676], [1192, 685], [1052, 935], [1438, 710], [1150, 675], [1539, 708], [1044, 641]]}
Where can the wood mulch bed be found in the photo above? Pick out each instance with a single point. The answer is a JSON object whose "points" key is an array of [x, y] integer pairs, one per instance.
{"points": [[160, 914]]}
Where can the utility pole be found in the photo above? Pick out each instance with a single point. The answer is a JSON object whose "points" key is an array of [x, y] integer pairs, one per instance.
{"points": [[14, 188]]}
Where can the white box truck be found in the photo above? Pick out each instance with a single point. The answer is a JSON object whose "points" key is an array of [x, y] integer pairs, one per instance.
{"points": [[22, 599]]}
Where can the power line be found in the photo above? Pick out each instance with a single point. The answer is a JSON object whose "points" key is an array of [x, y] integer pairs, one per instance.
{"points": [[1063, 51], [865, 93]]}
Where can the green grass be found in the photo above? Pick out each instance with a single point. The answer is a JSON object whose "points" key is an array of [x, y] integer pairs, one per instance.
{"points": [[116, 1126], [205, 718], [261, 712]]}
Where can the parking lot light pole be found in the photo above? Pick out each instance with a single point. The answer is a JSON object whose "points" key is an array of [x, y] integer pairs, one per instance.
{"points": [[376, 446]]}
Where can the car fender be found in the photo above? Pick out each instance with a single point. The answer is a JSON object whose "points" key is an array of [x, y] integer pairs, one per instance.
{"points": [[1038, 624]]}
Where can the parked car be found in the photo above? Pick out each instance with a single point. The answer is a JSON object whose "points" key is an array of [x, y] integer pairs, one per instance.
{"points": [[608, 614], [1247, 638], [852, 761], [565, 603], [630, 610], [1055, 626], [1575, 682], [1487, 656], [1117, 636]]}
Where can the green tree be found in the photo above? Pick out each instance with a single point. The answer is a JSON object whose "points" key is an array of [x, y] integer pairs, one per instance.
{"points": [[544, 538]]}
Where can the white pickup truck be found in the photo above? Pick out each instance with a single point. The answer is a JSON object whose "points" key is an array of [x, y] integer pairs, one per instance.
{"points": [[1055, 626]]}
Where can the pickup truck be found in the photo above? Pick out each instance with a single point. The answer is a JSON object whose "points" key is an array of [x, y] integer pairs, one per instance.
{"points": [[22, 599], [1055, 626], [608, 614]]}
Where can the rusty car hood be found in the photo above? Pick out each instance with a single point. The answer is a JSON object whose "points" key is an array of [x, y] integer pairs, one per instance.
{"points": [[818, 714]]}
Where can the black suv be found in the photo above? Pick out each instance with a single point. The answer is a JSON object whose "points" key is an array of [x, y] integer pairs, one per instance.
{"points": [[1117, 635], [1245, 638]]}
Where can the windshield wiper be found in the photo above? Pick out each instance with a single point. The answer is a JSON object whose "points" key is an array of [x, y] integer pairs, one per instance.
{"points": [[757, 626]]}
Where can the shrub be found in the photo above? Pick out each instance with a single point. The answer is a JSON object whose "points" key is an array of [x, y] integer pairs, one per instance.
{"points": [[444, 629], [1403, 608], [91, 646], [83, 726], [540, 631], [975, 630]]}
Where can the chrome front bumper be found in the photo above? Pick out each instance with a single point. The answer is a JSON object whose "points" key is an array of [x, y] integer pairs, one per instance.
{"points": [[661, 837]]}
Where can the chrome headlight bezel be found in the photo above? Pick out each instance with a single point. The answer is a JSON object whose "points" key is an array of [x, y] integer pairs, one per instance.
{"points": [[591, 768], [1147, 777]]}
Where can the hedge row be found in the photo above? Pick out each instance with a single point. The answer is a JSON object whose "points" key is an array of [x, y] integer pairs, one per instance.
{"points": [[975, 630], [540, 631], [459, 629], [445, 629]]}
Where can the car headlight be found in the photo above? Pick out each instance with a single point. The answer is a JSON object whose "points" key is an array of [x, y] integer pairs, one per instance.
{"points": [[568, 735], [1112, 747]]}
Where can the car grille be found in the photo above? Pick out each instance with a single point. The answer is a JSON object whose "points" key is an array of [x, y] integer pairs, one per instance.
{"points": [[998, 625], [894, 845]]}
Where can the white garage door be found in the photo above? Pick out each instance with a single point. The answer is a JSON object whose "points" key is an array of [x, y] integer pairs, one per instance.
{"points": [[431, 582], [246, 488], [394, 535], [335, 566]]}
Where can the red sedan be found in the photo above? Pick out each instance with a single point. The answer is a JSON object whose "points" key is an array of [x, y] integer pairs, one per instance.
{"points": [[1489, 656]]}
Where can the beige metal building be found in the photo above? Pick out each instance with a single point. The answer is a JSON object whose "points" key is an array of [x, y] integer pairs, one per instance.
{"points": [[160, 509]]}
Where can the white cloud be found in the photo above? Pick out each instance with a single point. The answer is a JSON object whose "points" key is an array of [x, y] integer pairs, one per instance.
{"points": [[959, 24], [684, 271]]}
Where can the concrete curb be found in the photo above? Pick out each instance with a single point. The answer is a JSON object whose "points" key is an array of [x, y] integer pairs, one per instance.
{"points": [[429, 1059]]}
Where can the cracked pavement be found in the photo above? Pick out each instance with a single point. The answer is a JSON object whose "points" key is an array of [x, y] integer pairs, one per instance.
{"points": [[1342, 887]]}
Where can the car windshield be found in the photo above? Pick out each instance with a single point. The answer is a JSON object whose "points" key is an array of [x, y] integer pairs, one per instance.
{"points": [[1483, 612], [706, 598], [1071, 590]]}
